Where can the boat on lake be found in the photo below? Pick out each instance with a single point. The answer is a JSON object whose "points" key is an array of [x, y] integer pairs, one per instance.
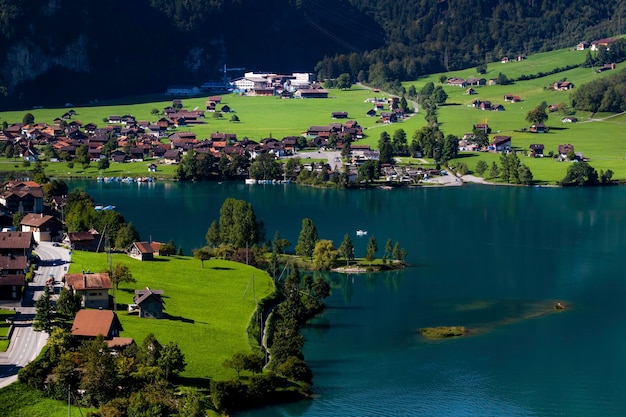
{"points": [[361, 232]]}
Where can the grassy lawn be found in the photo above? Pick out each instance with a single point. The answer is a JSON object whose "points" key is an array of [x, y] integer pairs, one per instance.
{"points": [[599, 140], [260, 117], [19, 400], [207, 309]]}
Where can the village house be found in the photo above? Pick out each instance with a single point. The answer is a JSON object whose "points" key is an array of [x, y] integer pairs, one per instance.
{"points": [[501, 143], [538, 128], [87, 241], [536, 150], [457, 82], [562, 85], [606, 67], [581, 46], [45, 228], [606, 43], [563, 150], [12, 276], [150, 303], [89, 324], [17, 244], [92, 288], [141, 251], [26, 196]]}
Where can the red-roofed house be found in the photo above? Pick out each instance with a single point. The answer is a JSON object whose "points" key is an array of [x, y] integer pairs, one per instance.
{"points": [[92, 323], [45, 228], [94, 288], [142, 251]]}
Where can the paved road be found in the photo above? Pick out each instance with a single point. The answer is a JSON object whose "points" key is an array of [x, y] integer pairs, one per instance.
{"points": [[25, 342]]}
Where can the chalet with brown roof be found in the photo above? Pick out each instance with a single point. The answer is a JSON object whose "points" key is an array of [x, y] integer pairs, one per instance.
{"points": [[501, 143], [221, 136], [12, 286], [45, 228], [17, 243], [562, 85], [171, 156], [470, 91], [93, 288], [150, 303], [605, 43], [476, 81], [215, 99], [457, 82], [371, 113], [339, 115], [89, 324], [25, 196], [497, 107], [565, 149], [388, 117], [538, 128], [311, 93], [536, 150], [115, 119], [606, 67], [88, 241], [141, 251]]}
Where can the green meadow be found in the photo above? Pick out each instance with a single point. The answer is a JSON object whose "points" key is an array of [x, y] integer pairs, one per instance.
{"points": [[260, 117], [599, 137], [596, 136], [207, 309]]}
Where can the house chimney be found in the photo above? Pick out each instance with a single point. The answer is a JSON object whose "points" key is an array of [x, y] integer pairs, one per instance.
{"points": [[85, 281]]}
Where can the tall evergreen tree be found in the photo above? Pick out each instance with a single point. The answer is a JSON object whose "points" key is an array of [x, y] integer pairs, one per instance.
{"points": [[307, 239], [43, 312]]}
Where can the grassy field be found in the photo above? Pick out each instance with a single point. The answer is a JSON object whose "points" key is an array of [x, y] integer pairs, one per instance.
{"points": [[260, 117], [599, 139], [19, 400], [596, 136], [207, 309]]}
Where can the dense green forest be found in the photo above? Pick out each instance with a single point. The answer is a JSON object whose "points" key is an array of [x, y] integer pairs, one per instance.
{"points": [[67, 50]]}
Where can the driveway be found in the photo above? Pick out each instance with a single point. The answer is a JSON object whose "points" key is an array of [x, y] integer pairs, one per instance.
{"points": [[26, 343]]}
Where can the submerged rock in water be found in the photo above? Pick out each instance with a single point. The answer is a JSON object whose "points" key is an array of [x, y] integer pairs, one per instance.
{"points": [[442, 332]]}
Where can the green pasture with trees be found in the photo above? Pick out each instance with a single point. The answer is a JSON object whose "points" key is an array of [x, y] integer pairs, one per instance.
{"points": [[596, 135], [207, 309]]}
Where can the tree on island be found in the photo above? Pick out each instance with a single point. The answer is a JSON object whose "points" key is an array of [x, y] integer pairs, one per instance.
{"points": [[346, 250], [238, 225], [372, 248], [399, 253], [324, 255], [307, 239]]}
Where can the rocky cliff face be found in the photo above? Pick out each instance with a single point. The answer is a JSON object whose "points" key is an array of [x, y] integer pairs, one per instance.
{"points": [[28, 59]]}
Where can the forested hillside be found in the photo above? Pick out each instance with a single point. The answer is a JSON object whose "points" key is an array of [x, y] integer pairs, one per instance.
{"points": [[53, 51]]}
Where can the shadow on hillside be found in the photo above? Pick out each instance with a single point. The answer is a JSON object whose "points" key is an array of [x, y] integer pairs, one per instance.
{"points": [[466, 155], [159, 259], [178, 318], [221, 268], [191, 382]]}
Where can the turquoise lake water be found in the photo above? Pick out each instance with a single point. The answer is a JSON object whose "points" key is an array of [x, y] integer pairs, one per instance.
{"points": [[484, 257]]}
